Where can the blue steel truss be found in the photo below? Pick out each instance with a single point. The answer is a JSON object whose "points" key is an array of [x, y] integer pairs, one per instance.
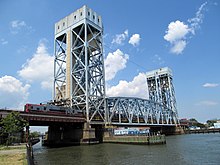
{"points": [[79, 79], [137, 111]]}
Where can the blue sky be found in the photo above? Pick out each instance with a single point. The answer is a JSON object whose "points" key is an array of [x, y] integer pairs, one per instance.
{"points": [[138, 37]]}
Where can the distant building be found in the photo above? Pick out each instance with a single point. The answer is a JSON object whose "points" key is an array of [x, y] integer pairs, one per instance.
{"points": [[188, 124], [217, 125], [185, 123]]}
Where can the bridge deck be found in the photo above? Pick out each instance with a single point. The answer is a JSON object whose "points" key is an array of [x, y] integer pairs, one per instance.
{"points": [[45, 119]]}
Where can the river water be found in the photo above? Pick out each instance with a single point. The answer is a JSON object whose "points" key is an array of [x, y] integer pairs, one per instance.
{"points": [[191, 149]]}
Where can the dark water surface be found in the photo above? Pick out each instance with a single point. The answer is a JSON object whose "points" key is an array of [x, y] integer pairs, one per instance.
{"points": [[193, 149]]}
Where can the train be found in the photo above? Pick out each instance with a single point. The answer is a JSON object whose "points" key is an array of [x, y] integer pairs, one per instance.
{"points": [[48, 108]]}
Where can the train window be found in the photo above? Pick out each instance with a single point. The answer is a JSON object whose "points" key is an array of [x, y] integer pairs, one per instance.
{"points": [[44, 108], [31, 107], [38, 108]]}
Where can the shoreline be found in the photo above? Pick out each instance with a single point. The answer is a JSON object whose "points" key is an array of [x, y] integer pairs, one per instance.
{"points": [[16, 154]]}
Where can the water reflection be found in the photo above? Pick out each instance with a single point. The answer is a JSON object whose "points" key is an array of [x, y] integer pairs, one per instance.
{"points": [[183, 149]]}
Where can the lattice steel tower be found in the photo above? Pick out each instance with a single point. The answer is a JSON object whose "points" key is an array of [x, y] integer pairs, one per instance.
{"points": [[79, 79], [161, 89]]}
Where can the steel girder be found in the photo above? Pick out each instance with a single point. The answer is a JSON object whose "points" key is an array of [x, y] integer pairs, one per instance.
{"points": [[137, 111], [60, 68], [87, 75]]}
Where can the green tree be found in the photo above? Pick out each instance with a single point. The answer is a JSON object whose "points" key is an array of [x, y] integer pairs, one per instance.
{"points": [[12, 124], [211, 122], [200, 125], [34, 134], [194, 122]]}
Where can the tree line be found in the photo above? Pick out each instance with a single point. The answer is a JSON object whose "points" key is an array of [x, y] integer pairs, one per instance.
{"points": [[12, 128]]}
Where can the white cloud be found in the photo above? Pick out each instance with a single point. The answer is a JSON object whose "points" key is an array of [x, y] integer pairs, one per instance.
{"points": [[178, 32], [115, 62], [210, 85], [119, 38], [135, 39], [13, 93], [17, 25], [178, 47], [135, 88], [3, 41], [47, 84], [198, 19], [176, 35], [207, 103], [39, 68]]}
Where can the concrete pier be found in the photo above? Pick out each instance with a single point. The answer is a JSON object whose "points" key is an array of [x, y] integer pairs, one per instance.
{"points": [[66, 135], [149, 140], [88, 135]]}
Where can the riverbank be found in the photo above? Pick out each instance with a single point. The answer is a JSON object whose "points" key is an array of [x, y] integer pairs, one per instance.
{"points": [[202, 131], [13, 155]]}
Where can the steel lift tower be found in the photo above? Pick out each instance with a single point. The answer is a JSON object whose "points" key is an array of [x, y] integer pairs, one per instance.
{"points": [[79, 80], [161, 90]]}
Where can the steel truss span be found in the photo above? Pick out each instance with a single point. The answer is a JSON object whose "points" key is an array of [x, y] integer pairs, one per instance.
{"points": [[137, 111]]}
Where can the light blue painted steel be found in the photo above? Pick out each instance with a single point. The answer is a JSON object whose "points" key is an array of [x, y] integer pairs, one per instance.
{"points": [[137, 111]]}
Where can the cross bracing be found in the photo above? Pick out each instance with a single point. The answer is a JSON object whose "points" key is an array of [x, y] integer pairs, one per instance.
{"points": [[60, 67], [161, 89], [88, 85], [137, 111], [79, 79]]}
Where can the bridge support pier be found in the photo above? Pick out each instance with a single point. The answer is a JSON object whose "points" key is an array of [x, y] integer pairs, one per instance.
{"points": [[88, 135], [108, 131], [179, 130], [65, 135]]}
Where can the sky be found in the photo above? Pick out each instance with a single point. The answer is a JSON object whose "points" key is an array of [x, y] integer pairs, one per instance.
{"points": [[139, 36]]}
